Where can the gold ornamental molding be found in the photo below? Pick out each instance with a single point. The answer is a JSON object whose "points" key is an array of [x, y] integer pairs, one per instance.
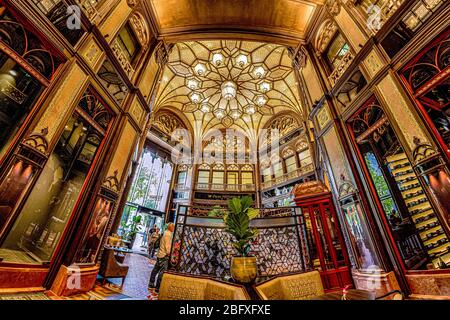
{"points": [[341, 68], [334, 7], [112, 184], [132, 3], [324, 35], [38, 141]]}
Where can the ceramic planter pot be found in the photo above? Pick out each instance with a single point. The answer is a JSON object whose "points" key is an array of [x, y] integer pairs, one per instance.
{"points": [[244, 269]]}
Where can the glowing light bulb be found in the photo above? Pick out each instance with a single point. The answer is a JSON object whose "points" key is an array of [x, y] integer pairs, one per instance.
{"points": [[259, 72], [193, 84], [217, 59], [260, 100], [205, 108], [219, 114], [235, 114], [195, 97], [229, 90], [200, 69], [264, 87], [250, 110], [242, 60]]}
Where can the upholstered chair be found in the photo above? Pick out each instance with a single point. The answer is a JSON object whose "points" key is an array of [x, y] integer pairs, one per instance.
{"points": [[110, 268]]}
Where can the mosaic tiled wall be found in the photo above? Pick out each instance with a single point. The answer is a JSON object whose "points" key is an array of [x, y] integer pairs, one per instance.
{"points": [[208, 251]]}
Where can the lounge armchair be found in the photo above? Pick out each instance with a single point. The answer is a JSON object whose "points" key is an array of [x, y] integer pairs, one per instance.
{"points": [[299, 286], [175, 286], [111, 268]]}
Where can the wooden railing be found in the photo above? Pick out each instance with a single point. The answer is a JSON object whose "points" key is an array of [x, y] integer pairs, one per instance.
{"points": [[341, 68], [122, 58]]}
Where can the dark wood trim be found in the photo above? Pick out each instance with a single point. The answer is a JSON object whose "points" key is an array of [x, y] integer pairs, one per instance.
{"points": [[367, 209], [86, 200]]}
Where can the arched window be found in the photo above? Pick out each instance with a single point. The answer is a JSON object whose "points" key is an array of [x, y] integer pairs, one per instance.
{"points": [[129, 43], [304, 153], [247, 175]]}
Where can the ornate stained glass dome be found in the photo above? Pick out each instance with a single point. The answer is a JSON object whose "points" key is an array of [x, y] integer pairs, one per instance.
{"points": [[229, 83]]}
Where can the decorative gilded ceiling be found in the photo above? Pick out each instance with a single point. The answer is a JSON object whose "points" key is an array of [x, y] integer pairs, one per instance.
{"points": [[229, 84], [281, 21]]}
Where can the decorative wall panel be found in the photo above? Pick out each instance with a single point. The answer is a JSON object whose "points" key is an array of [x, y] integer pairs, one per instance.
{"points": [[401, 112], [373, 63], [61, 102], [92, 53], [351, 30], [137, 112], [115, 20], [323, 117], [202, 247], [339, 164], [124, 149]]}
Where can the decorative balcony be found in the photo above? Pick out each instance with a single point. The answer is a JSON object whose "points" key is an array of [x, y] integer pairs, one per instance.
{"points": [[341, 68], [181, 187], [122, 58], [225, 187], [288, 177], [276, 198]]}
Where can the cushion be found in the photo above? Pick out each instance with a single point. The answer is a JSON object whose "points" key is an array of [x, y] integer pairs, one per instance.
{"points": [[301, 286]]}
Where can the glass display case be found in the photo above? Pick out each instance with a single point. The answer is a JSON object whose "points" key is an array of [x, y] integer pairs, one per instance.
{"points": [[409, 214], [329, 254], [364, 255], [40, 225]]}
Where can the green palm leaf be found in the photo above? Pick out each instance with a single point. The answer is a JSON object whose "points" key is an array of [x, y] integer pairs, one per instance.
{"points": [[237, 222]]}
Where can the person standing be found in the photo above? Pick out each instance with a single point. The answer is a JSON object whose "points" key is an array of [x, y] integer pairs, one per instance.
{"points": [[145, 235], [152, 242], [163, 257]]}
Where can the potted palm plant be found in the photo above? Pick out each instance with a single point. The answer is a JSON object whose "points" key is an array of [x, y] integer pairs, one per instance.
{"points": [[237, 221], [132, 229]]}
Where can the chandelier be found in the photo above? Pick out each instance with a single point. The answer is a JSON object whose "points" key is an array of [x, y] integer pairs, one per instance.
{"points": [[229, 90], [227, 83], [223, 97]]}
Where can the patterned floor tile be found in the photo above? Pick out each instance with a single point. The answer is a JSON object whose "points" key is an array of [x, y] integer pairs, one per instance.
{"points": [[136, 282]]}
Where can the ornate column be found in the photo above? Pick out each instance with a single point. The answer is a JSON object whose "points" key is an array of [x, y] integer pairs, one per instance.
{"points": [[299, 58]]}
